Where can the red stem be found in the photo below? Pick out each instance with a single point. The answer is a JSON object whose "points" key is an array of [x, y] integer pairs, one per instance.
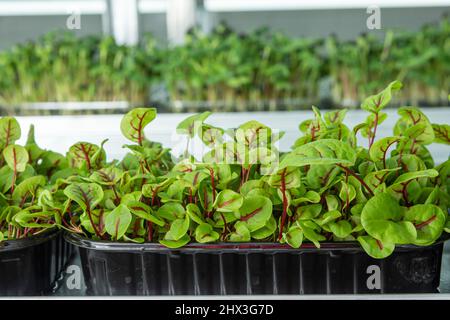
{"points": [[357, 177], [285, 204]]}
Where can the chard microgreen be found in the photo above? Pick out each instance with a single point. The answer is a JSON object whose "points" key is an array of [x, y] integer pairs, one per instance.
{"points": [[327, 188]]}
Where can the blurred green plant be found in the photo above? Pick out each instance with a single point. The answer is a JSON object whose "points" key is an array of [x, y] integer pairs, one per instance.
{"points": [[228, 71], [60, 67]]}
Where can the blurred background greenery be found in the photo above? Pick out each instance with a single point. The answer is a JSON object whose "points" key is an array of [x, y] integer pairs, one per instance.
{"points": [[224, 69]]}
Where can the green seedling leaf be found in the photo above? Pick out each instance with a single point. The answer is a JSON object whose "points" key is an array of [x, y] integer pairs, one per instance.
{"points": [[253, 134], [134, 122], [415, 125], [86, 195], [334, 117], [255, 212], [16, 157], [310, 196], [294, 237], [211, 135], [171, 211], [378, 151], [228, 201], [381, 218], [107, 176], [83, 155], [429, 221], [441, 133], [194, 213], [327, 151], [205, 233], [377, 102], [178, 228], [311, 234], [308, 212], [341, 229], [328, 217], [241, 233], [9, 131], [192, 125], [143, 211], [118, 221], [430, 173], [176, 244], [375, 248], [291, 176], [28, 188], [267, 231]]}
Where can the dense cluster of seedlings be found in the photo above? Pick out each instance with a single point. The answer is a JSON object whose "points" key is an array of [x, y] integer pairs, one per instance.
{"points": [[242, 189], [226, 70]]}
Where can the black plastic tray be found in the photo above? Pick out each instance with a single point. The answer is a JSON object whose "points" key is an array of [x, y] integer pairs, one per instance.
{"points": [[31, 267], [254, 268]]}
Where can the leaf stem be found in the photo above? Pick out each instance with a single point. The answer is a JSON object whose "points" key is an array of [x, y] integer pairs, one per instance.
{"points": [[347, 170], [285, 204]]}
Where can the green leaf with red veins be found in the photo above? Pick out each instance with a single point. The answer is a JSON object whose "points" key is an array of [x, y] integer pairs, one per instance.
{"points": [[310, 196], [28, 188], [205, 233], [382, 219], [328, 217], [251, 185], [334, 117], [9, 131], [171, 211], [211, 135], [195, 178], [292, 177], [205, 195], [308, 212], [441, 133], [109, 176], [414, 124], [173, 244], [294, 236], [178, 229], [255, 212], [118, 221], [81, 155], [322, 152], [311, 234], [321, 176], [241, 233], [267, 231], [341, 229], [347, 194], [16, 157], [378, 101], [194, 213], [253, 134], [86, 195], [192, 124], [429, 221], [144, 211], [134, 122], [375, 248], [228, 201], [408, 176], [378, 151], [376, 178]]}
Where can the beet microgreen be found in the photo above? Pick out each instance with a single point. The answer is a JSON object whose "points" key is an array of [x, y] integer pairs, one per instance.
{"points": [[327, 188]]}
